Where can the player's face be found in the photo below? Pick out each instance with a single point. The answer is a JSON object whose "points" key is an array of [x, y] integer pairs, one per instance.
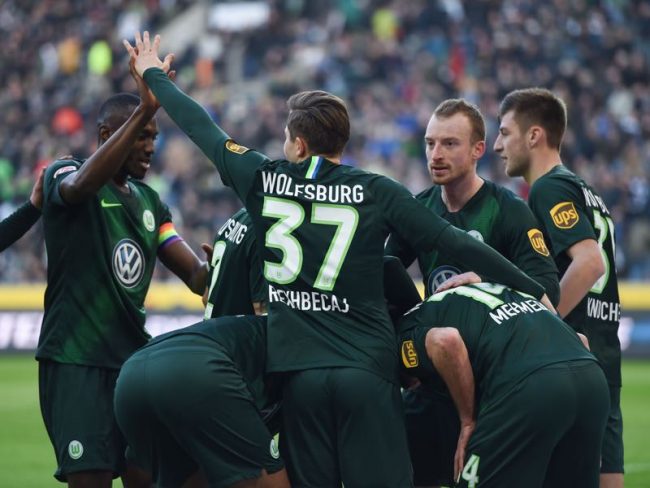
{"points": [[291, 148], [139, 159], [511, 146], [450, 153]]}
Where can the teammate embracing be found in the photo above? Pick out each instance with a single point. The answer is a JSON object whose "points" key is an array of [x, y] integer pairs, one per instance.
{"points": [[321, 226]]}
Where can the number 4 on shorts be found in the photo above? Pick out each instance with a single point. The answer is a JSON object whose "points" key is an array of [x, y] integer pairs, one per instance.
{"points": [[470, 471]]}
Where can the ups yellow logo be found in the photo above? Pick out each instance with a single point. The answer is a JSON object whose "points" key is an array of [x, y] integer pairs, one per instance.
{"points": [[409, 354], [536, 239], [564, 215], [232, 146]]}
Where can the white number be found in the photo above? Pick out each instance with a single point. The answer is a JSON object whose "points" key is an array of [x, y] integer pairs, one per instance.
{"points": [[346, 220], [603, 225], [215, 262], [470, 471], [485, 297], [290, 216]]}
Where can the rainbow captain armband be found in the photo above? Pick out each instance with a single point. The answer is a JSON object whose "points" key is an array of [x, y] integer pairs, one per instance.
{"points": [[166, 235]]}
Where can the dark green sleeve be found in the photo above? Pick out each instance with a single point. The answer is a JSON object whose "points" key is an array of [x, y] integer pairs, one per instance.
{"points": [[485, 261], [398, 247], [236, 164], [559, 207], [523, 244], [14, 227], [425, 231]]}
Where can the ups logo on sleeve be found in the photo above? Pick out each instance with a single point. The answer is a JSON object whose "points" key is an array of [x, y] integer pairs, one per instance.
{"points": [[536, 239], [409, 354], [232, 146], [564, 215]]}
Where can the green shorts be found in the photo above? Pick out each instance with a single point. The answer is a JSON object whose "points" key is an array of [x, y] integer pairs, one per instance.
{"points": [[545, 432], [344, 425], [612, 451], [182, 404], [77, 408], [432, 427]]}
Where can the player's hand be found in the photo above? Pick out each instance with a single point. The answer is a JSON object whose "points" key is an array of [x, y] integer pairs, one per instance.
{"points": [[145, 54], [36, 196], [459, 280], [466, 430], [208, 250]]}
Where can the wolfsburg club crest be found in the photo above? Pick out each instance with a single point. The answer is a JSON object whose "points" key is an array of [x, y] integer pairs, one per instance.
{"points": [[438, 276], [128, 263]]}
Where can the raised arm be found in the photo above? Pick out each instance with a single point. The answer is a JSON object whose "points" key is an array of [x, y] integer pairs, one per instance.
{"points": [[109, 157]]}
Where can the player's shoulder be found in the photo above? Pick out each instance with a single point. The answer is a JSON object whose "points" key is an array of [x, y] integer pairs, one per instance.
{"points": [[429, 193], [558, 177], [505, 196], [63, 166]]}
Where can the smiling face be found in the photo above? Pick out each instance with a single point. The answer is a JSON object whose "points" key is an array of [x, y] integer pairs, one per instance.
{"points": [[511, 146], [451, 154], [139, 159]]}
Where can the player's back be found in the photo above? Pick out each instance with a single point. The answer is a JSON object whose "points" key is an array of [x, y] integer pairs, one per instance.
{"points": [[508, 334], [323, 226]]}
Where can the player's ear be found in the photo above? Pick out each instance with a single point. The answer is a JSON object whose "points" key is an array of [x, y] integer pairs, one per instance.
{"points": [[535, 136], [478, 150], [104, 133], [302, 148]]}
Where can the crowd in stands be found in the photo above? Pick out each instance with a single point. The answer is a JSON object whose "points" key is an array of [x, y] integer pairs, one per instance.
{"points": [[392, 61]]}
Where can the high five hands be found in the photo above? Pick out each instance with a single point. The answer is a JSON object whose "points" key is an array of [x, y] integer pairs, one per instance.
{"points": [[145, 54]]}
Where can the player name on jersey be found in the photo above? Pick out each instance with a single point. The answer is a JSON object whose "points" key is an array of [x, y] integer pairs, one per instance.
{"points": [[233, 231], [283, 185], [509, 310], [594, 201], [309, 300], [602, 310]]}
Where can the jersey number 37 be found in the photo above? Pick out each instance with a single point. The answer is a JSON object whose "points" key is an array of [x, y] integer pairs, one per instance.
{"points": [[290, 215]]}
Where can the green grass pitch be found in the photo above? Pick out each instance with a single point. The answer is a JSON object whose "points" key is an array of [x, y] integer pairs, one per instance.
{"points": [[27, 459]]}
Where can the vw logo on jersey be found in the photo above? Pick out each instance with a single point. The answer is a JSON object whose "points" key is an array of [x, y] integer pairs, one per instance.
{"points": [[438, 276], [476, 235], [128, 263]]}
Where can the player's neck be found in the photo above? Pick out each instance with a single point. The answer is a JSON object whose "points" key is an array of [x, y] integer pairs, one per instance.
{"points": [[542, 162], [457, 193], [121, 183]]}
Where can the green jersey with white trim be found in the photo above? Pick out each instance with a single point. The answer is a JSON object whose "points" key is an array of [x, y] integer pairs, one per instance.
{"points": [[321, 229], [235, 279], [101, 255], [570, 211], [508, 335], [499, 218]]}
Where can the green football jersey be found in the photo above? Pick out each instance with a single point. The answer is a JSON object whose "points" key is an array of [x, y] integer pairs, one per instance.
{"points": [[242, 338], [570, 211], [235, 278], [321, 229], [101, 255], [508, 335], [499, 218]]}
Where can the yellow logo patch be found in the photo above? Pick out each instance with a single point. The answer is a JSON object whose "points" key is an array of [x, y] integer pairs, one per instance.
{"points": [[409, 354], [536, 239], [564, 215], [232, 146]]}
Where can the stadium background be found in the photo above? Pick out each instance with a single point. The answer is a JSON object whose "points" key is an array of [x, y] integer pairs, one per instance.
{"points": [[391, 60]]}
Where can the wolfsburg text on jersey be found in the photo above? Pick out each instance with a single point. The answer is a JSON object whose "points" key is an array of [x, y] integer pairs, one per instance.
{"points": [[282, 184], [311, 301], [509, 310]]}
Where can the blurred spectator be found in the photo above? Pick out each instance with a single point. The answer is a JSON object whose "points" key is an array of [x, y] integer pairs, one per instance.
{"points": [[393, 61]]}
